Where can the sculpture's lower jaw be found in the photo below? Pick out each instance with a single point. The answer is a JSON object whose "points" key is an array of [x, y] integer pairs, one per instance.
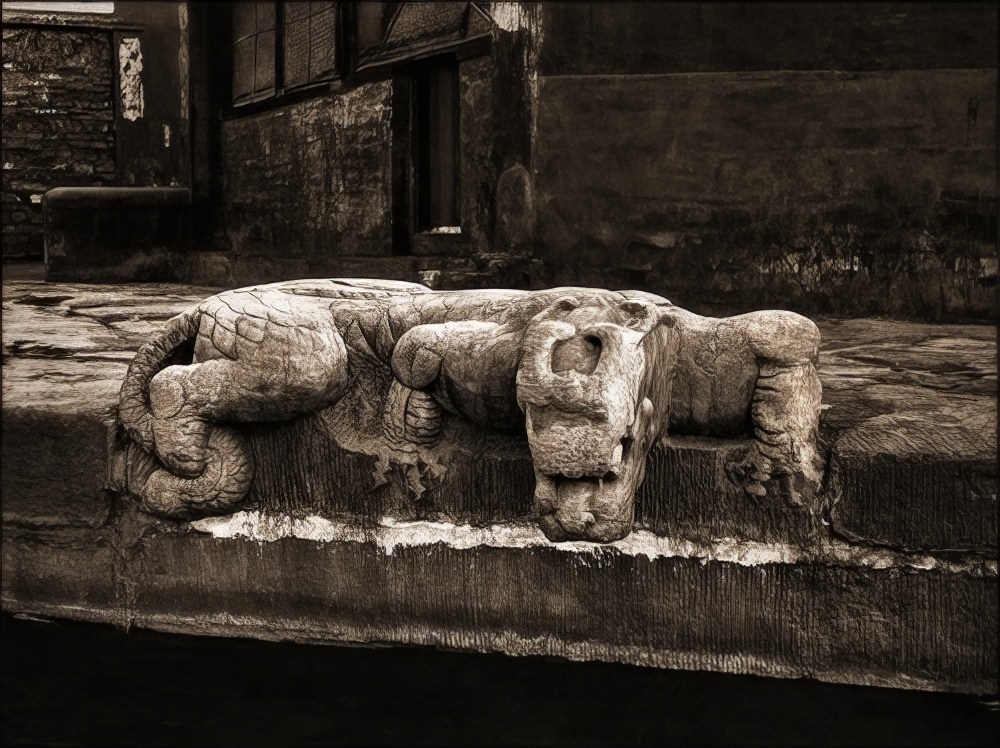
{"points": [[584, 509], [599, 532]]}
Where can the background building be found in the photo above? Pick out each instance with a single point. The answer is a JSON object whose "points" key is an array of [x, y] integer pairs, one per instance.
{"points": [[821, 157]]}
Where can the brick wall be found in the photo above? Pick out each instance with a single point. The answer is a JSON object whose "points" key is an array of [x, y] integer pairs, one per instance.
{"points": [[58, 123]]}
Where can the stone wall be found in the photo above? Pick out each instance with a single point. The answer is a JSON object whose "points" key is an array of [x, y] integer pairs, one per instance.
{"points": [[822, 158], [309, 186], [90, 100], [309, 182], [58, 123]]}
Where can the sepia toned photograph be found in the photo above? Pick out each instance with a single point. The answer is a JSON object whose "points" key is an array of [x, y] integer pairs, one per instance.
{"points": [[517, 373]]}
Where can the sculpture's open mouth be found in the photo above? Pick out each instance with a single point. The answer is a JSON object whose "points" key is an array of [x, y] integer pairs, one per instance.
{"points": [[585, 487]]}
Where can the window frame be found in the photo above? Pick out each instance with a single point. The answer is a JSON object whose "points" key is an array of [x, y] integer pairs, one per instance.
{"points": [[255, 94], [281, 93]]}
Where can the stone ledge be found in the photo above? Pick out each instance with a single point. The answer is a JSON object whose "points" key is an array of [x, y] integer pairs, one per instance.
{"points": [[894, 583], [838, 615], [910, 420]]}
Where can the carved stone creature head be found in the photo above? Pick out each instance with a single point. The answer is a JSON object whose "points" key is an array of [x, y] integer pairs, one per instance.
{"points": [[594, 386]]}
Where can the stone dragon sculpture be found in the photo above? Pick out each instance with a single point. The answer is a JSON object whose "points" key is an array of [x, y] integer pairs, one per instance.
{"points": [[592, 378]]}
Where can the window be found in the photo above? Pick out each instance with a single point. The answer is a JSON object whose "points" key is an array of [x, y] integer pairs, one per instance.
{"points": [[310, 43], [254, 51], [435, 140], [281, 47], [372, 18]]}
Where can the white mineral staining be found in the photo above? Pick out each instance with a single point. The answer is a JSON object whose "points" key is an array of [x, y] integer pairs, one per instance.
{"points": [[130, 78]]}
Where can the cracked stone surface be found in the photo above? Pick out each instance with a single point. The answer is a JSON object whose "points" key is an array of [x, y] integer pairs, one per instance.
{"points": [[68, 346]]}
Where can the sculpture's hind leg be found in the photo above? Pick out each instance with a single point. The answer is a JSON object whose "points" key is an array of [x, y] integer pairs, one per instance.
{"points": [[291, 371]]}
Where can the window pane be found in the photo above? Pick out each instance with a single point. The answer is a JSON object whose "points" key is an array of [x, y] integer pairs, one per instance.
{"points": [[265, 16], [244, 23], [322, 40], [370, 26], [265, 61], [296, 44], [243, 68]]}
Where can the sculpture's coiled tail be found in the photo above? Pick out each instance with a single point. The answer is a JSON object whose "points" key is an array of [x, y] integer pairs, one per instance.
{"points": [[134, 411], [180, 465]]}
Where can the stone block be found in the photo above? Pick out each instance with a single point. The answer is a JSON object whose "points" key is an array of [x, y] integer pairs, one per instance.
{"points": [[917, 503], [832, 617], [53, 468], [63, 572], [687, 493]]}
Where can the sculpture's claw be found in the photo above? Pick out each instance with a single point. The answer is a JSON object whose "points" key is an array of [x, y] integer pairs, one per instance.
{"points": [[751, 473]]}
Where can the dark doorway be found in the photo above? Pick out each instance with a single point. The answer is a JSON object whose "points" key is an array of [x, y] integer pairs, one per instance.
{"points": [[436, 139], [425, 144]]}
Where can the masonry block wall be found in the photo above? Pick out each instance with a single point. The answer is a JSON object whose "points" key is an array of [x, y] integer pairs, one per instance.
{"points": [[58, 124], [73, 118], [819, 157], [309, 182]]}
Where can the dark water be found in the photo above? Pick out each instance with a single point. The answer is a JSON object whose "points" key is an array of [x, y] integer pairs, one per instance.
{"points": [[73, 684]]}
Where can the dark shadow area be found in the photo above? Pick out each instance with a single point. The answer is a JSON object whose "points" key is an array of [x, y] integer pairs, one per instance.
{"points": [[74, 684]]}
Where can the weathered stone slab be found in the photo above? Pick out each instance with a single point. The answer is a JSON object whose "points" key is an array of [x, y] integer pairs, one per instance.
{"points": [[107, 234], [745, 608], [53, 467], [686, 491], [332, 481], [69, 569], [711, 579], [837, 613], [912, 423], [687, 494]]}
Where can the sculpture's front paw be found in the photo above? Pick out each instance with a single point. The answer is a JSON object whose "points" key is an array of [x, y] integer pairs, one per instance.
{"points": [[794, 478]]}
